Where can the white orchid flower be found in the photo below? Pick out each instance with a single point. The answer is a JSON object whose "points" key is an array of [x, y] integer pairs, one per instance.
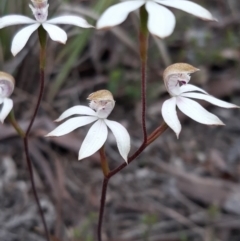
{"points": [[161, 21], [40, 11], [176, 78], [101, 105], [7, 83]]}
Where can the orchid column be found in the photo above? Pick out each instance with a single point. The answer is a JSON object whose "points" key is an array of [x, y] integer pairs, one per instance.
{"points": [[40, 11]]}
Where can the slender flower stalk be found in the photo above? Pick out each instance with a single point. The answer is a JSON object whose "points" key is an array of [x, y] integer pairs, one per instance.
{"points": [[143, 47], [42, 39], [104, 163], [15, 124], [7, 83], [105, 169], [153, 136], [40, 12], [102, 207]]}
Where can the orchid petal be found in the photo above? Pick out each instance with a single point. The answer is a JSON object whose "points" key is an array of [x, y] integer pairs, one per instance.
{"points": [[76, 110], [14, 20], [21, 38], [117, 13], [189, 7], [56, 34], [161, 21], [71, 125], [73, 20], [210, 99], [195, 111], [122, 137], [169, 114], [94, 140], [6, 108], [189, 87]]}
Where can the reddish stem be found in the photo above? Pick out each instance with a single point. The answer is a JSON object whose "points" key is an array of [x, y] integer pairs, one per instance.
{"points": [[102, 206], [143, 47], [156, 133], [29, 163], [143, 98]]}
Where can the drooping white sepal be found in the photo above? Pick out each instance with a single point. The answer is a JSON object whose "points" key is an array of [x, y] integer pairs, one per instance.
{"points": [[71, 125], [76, 110], [15, 20], [56, 34], [169, 114], [189, 7], [21, 38], [122, 137], [210, 99], [195, 111], [94, 140], [117, 13], [73, 20], [161, 21]]}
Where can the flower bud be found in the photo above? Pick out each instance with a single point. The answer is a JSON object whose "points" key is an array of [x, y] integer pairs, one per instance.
{"points": [[176, 75], [102, 102], [7, 84]]}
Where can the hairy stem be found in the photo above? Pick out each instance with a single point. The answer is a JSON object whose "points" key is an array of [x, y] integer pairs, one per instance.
{"points": [[42, 39], [102, 206], [143, 97], [156, 133], [29, 163], [153, 136], [24, 136], [143, 46], [105, 169]]}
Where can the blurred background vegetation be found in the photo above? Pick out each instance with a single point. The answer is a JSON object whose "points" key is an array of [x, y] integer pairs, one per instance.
{"points": [[186, 189]]}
